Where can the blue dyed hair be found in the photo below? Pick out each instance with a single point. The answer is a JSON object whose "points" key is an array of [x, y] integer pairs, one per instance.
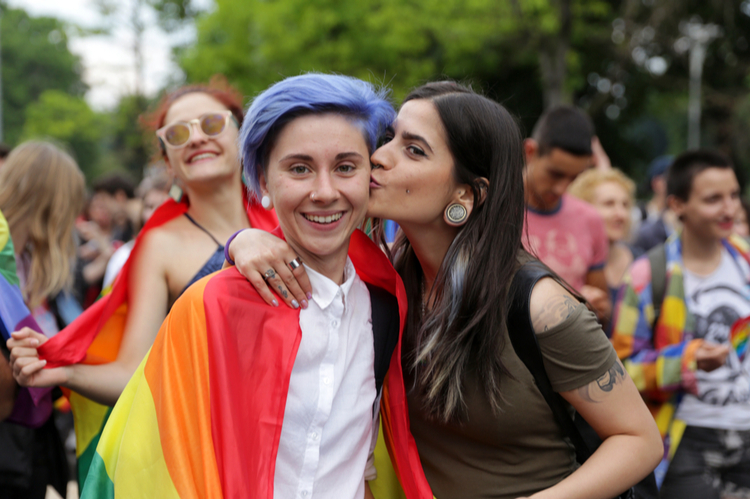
{"points": [[312, 93]]}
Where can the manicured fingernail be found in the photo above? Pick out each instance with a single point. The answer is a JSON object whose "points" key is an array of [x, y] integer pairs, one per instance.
{"points": [[34, 342], [44, 362], [304, 304], [295, 304], [275, 303], [309, 296]]}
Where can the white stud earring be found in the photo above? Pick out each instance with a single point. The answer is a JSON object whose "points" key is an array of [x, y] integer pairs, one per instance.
{"points": [[265, 202]]}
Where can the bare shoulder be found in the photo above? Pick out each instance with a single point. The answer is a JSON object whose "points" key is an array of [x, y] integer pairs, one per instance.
{"points": [[551, 304]]}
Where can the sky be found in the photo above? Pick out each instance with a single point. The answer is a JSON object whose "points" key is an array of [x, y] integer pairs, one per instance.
{"points": [[108, 60]]}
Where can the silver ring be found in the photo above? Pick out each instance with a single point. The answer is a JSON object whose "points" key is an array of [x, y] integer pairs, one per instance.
{"points": [[295, 263], [269, 274]]}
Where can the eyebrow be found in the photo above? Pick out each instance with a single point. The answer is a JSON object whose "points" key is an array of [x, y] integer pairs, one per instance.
{"points": [[414, 137], [304, 157]]}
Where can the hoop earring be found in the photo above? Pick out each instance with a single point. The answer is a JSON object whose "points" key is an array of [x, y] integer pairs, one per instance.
{"points": [[265, 202], [456, 214]]}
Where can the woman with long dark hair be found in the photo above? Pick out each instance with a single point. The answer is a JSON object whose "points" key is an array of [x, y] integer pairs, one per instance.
{"points": [[450, 174]]}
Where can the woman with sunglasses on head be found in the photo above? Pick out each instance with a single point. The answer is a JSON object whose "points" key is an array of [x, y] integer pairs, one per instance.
{"points": [[96, 355], [450, 174]]}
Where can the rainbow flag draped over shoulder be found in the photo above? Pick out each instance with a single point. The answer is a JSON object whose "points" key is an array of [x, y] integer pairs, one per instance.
{"points": [[33, 406], [202, 416], [95, 336]]}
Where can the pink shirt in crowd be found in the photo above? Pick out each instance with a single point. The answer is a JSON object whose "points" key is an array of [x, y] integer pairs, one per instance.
{"points": [[570, 239]]}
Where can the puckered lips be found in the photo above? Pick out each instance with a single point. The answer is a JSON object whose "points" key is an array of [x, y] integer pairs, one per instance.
{"points": [[374, 183], [325, 220], [202, 155]]}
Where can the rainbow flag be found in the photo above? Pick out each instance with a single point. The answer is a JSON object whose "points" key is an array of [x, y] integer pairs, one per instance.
{"points": [[202, 416], [33, 406], [739, 335], [95, 336]]}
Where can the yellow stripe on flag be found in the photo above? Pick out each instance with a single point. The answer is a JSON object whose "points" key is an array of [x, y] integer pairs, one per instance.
{"points": [[138, 462]]}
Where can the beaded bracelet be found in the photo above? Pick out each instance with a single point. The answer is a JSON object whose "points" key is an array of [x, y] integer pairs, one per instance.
{"points": [[226, 247]]}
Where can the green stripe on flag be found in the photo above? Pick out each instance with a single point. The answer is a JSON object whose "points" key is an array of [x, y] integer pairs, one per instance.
{"points": [[86, 460], [99, 484]]}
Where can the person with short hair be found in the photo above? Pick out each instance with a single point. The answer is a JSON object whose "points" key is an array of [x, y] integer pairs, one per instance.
{"points": [[281, 403], [680, 327], [565, 233], [450, 173]]}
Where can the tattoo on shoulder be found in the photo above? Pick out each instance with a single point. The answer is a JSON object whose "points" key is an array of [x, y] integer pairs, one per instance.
{"points": [[604, 384], [555, 311]]}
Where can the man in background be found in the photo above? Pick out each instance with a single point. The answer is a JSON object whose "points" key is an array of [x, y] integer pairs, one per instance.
{"points": [[565, 233]]}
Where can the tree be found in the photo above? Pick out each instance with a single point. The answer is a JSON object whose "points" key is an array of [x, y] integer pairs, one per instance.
{"points": [[35, 58], [69, 120]]}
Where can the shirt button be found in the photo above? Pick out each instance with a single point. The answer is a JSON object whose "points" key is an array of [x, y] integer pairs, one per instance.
{"points": [[334, 324], [326, 381], [314, 436], [304, 493]]}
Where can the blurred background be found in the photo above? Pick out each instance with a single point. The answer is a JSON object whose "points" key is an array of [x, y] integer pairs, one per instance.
{"points": [[657, 76]]}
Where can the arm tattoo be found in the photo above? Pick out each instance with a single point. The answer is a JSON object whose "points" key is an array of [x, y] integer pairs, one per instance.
{"points": [[555, 311], [283, 292], [605, 383]]}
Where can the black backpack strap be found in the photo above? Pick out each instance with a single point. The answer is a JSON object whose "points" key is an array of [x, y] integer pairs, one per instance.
{"points": [[657, 257], [385, 330], [524, 341]]}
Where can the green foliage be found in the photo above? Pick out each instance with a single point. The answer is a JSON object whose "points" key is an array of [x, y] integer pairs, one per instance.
{"points": [[35, 58], [127, 140], [69, 120]]}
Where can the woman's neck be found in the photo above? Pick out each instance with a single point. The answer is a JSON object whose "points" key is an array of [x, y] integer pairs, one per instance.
{"points": [[220, 209], [430, 244], [331, 266]]}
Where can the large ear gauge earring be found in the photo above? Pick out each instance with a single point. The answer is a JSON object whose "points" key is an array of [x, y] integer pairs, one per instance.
{"points": [[265, 202], [456, 214]]}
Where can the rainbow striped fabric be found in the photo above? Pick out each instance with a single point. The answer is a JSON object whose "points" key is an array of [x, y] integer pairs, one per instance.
{"points": [[202, 416], [95, 336], [33, 406], [662, 363], [739, 335]]}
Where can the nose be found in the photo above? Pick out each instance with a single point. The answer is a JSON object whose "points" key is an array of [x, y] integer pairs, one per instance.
{"points": [[196, 135], [324, 189], [382, 157]]}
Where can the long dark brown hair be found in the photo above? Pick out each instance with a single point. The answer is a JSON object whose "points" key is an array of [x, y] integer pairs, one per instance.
{"points": [[465, 328]]}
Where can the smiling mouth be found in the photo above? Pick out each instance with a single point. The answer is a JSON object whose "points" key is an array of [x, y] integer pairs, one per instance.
{"points": [[323, 219], [202, 156]]}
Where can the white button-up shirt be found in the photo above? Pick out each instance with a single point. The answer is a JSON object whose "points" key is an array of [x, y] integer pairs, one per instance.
{"points": [[330, 420]]}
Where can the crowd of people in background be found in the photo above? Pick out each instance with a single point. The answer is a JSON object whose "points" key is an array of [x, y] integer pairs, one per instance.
{"points": [[641, 308]]}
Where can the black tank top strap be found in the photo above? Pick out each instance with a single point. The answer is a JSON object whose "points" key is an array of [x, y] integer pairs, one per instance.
{"points": [[203, 229]]}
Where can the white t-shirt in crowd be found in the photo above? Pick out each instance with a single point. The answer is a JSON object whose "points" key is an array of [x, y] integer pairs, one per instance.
{"points": [[717, 302], [331, 417]]}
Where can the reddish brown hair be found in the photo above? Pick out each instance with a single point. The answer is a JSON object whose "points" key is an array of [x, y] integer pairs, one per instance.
{"points": [[217, 87]]}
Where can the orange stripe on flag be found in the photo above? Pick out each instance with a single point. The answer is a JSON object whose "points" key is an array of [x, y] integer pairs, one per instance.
{"points": [[180, 387]]}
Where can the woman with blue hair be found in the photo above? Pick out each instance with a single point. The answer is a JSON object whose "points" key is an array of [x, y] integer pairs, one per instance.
{"points": [[450, 173], [240, 398]]}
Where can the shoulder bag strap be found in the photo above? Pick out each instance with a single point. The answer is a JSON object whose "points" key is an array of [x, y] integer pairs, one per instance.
{"points": [[524, 341], [385, 329], [657, 258]]}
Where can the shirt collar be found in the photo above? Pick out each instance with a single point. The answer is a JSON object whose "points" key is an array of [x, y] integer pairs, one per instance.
{"points": [[325, 290]]}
